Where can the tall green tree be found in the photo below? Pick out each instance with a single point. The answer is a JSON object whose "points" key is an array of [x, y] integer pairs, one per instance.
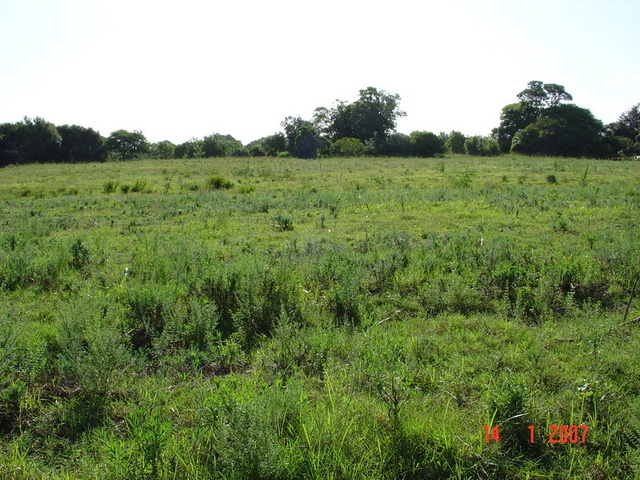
{"points": [[513, 118], [563, 130], [217, 145], [455, 142], [534, 95], [189, 149], [127, 145], [9, 144], [308, 142], [32, 140], [347, 147], [274, 144], [541, 95], [372, 117], [628, 125], [394, 145], [480, 146], [292, 126], [80, 144], [542, 124], [426, 144], [164, 150], [556, 94]]}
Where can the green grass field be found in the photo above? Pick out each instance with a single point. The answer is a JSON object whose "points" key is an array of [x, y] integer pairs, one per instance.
{"points": [[364, 318]]}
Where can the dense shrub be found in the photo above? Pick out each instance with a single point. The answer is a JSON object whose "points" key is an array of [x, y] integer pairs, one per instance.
{"points": [[426, 144], [481, 146], [218, 182], [347, 147]]}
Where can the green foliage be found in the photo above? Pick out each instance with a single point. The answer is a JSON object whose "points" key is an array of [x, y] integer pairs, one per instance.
{"points": [[126, 145], [347, 147], [283, 222], [455, 142], [540, 124], [270, 146], [218, 145], [217, 182], [109, 186], [513, 119], [624, 134], [80, 144], [80, 256], [426, 144], [139, 186], [32, 140], [393, 145], [372, 116], [163, 150], [178, 334], [307, 143], [481, 146], [544, 95], [191, 149], [565, 130]]}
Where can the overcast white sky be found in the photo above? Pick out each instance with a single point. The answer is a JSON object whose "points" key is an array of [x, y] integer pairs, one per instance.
{"points": [[188, 68]]}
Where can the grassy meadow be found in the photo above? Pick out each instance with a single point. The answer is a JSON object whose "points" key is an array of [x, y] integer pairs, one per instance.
{"points": [[359, 318]]}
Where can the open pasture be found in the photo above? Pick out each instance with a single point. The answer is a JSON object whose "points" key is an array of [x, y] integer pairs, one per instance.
{"points": [[329, 318]]}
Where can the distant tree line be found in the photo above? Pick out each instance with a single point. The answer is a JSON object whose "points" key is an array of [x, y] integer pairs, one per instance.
{"points": [[542, 122]]}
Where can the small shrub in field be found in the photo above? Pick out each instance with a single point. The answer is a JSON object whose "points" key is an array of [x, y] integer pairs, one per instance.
{"points": [[464, 179], [110, 186], [139, 186], [217, 182], [344, 305], [552, 179], [148, 311], [79, 255], [125, 188], [283, 222], [562, 224]]}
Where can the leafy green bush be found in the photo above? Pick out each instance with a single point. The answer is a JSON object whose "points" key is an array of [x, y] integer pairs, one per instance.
{"points": [[110, 186], [217, 182], [148, 310], [481, 146], [347, 147], [426, 144], [80, 256], [283, 222], [139, 186]]}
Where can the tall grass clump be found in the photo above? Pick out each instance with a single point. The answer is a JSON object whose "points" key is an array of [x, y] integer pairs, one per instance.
{"points": [[110, 186], [218, 182]]}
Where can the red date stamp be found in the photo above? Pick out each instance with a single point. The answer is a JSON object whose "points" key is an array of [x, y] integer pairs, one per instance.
{"points": [[556, 434]]}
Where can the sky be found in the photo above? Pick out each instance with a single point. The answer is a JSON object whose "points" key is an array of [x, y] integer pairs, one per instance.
{"points": [[184, 69]]}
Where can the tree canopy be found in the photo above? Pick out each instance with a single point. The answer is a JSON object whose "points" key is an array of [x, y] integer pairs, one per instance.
{"points": [[624, 134], [28, 141], [564, 130], [542, 124], [426, 144], [372, 117], [80, 144], [127, 145]]}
